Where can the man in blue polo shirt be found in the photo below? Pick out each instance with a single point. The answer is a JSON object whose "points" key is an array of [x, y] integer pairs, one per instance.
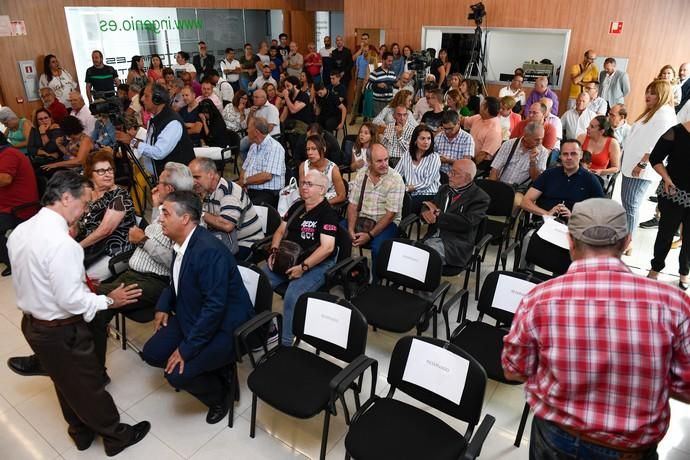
{"points": [[557, 189]]}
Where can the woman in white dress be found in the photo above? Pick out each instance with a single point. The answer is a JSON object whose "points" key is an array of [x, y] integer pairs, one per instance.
{"points": [[57, 79]]}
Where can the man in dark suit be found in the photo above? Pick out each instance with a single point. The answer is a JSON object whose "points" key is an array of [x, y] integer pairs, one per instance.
{"points": [[455, 214], [199, 311]]}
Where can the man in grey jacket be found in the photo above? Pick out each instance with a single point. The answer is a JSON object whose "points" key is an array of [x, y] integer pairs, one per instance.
{"points": [[615, 84]]}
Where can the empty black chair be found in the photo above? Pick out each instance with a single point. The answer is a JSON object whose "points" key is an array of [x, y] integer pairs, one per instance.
{"points": [[386, 428], [502, 217], [538, 253], [301, 383]]}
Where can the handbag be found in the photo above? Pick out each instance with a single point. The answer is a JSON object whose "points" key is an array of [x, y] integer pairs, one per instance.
{"points": [[288, 196], [289, 252], [363, 224]]}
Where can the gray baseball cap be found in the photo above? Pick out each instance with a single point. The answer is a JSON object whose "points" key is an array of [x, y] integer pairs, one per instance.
{"points": [[598, 222]]}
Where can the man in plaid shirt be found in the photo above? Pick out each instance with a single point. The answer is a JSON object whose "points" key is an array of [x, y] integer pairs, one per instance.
{"points": [[601, 349]]}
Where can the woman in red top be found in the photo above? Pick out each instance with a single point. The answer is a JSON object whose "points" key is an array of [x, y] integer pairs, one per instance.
{"points": [[312, 63], [599, 140]]}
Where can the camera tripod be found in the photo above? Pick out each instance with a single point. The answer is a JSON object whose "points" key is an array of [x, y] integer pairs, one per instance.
{"points": [[477, 59], [140, 183]]}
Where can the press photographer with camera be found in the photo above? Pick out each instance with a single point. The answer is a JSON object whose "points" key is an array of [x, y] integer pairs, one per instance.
{"points": [[166, 139]]}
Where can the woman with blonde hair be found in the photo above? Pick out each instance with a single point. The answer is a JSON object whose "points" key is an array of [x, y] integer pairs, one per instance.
{"points": [[656, 119], [668, 73], [385, 116], [456, 101]]}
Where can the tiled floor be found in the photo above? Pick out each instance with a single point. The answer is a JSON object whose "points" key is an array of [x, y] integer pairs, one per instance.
{"points": [[31, 426]]}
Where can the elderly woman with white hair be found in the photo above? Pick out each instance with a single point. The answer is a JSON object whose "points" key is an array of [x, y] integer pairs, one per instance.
{"points": [[17, 130], [311, 225]]}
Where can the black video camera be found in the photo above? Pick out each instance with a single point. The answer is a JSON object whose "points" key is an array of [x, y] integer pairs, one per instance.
{"points": [[477, 13], [420, 60], [112, 107]]}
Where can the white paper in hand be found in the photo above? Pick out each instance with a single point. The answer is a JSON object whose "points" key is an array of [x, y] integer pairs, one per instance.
{"points": [[509, 292], [436, 369], [409, 261], [555, 233], [327, 321]]}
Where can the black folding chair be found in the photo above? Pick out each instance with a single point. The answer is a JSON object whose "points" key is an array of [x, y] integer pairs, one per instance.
{"points": [[502, 217], [387, 428]]}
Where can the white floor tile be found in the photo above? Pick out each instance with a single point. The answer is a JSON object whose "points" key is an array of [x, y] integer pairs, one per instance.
{"points": [[12, 337], [44, 414], [16, 388], [20, 440], [131, 378]]}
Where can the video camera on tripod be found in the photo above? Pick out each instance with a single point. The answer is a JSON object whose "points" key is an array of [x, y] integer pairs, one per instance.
{"points": [[420, 60], [107, 103], [477, 13]]}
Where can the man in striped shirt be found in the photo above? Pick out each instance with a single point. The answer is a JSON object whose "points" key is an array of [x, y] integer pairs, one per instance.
{"points": [[382, 82], [226, 206]]}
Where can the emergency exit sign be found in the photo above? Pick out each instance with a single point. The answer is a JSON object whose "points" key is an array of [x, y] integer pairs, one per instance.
{"points": [[616, 27]]}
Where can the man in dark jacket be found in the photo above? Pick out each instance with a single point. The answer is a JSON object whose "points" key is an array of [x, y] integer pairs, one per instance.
{"points": [[455, 214]]}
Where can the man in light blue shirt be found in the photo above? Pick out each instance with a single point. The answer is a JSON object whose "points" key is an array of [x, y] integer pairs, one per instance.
{"points": [[263, 173]]}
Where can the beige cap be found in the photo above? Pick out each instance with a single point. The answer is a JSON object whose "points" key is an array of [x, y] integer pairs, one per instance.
{"points": [[598, 222]]}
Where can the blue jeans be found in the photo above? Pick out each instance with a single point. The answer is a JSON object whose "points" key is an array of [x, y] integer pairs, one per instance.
{"points": [[549, 442], [308, 282], [633, 191]]}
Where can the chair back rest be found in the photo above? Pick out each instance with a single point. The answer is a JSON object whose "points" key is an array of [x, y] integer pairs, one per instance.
{"points": [[608, 191], [538, 252], [406, 205], [330, 324], [269, 218], [502, 292], [502, 196], [257, 285], [410, 264], [343, 244], [439, 374], [347, 145]]}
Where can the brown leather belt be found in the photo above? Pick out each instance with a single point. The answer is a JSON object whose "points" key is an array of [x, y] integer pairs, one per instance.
{"points": [[55, 322], [626, 453]]}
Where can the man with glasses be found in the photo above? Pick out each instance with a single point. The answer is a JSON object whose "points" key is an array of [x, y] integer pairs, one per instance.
{"points": [[597, 104], [581, 74], [557, 189], [618, 117], [57, 109], [397, 135], [452, 143]]}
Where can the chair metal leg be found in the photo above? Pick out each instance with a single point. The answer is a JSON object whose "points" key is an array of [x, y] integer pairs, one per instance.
{"points": [[521, 428], [347, 456], [324, 436], [477, 278], [233, 393], [123, 333], [252, 426]]}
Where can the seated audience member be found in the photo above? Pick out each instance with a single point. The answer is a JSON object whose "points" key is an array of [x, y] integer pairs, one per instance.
{"points": [[618, 117], [457, 103], [360, 151], [213, 131], [275, 62], [432, 118], [17, 130], [135, 107], [263, 173], [541, 89], [175, 93], [298, 112], [221, 88], [307, 85], [43, 146], [56, 108], [191, 82], [104, 228], [330, 111], [182, 65], [235, 113], [551, 119], [606, 152], [521, 160], [454, 82], [75, 146], [604, 311], [509, 119], [576, 120], [597, 104], [338, 88], [261, 107], [81, 111], [381, 190], [317, 161], [454, 214], [207, 92], [586, 161], [313, 224], [557, 189], [420, 169], [397, 135], [272, 95], [17, 188], [262, 79], [103, 135], [452, 144], [514, 90], [196, 344], [485, 129], [385, 116], [537, 114], [333, 151], [404, 83], [422, 105], [190, 116], [226, 208], [470, 92]]}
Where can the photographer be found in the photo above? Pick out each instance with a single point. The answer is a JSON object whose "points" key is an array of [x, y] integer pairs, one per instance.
{"points": [[166, 139]]}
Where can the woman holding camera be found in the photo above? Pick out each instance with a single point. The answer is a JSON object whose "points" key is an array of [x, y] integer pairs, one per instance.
{"points": [[311, 225]]}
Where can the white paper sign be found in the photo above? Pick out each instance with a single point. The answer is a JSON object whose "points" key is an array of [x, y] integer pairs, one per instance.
{"points": [[509, 292], [327, 321], [409, 261], [251, 282], [555, 233], [436, 369]]}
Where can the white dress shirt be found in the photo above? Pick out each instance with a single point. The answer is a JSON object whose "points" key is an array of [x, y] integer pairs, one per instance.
{"points": [[87, 120], [575, 123], [48, 270], [179, 255]]}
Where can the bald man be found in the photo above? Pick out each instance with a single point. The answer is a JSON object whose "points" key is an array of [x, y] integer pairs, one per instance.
{"points": [[455, 214]]}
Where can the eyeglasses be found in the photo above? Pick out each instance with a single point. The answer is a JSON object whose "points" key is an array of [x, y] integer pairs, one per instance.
{"points": [[103, 172], [310, 184]]}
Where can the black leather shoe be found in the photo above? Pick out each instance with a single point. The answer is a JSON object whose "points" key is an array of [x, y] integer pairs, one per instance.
{"points": [[651, 223], [84, 442], [7, 271], [217, 412], [139, 431], [26, 365]]}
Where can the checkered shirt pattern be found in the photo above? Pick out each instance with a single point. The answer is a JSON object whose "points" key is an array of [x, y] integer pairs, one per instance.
{"points": [[269, 156], [461, 146]]}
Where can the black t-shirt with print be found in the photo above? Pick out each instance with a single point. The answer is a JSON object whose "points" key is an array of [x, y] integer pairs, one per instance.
{"points": [[306, 229], [307, 113]]}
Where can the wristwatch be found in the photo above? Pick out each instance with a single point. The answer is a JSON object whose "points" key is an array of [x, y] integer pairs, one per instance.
{"points": [[134, 143], [109, 301], [641, 165], [305, 267]]}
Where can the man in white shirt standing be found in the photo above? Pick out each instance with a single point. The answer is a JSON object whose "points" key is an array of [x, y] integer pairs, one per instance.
{"points": [[50, 285], [576, 120], [230, 68]]}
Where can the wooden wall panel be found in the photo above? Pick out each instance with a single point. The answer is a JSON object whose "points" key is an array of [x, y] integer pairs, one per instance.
{"points": [[654, 34]]}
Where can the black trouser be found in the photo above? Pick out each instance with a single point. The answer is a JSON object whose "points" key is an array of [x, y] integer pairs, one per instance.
{"points": [[329, 124], [68, 356], [671, 216], [151, 286], [7, 222], [263, 197]]}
